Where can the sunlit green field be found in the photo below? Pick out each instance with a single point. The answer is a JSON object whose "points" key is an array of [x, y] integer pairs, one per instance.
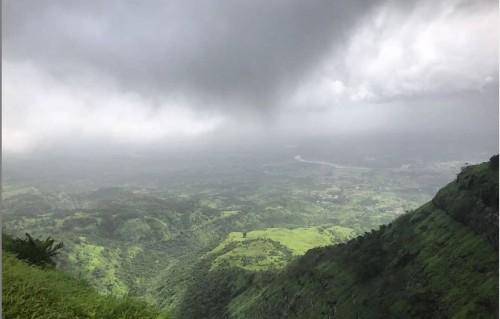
{"points": [[274, 247]]}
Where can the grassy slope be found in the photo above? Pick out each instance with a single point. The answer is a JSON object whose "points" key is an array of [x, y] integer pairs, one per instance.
{"points": [[436, 262], [298, 240], [32, 292], [242, 261], [274, 247]]}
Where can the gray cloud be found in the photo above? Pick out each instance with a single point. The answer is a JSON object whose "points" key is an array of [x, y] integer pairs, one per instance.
{"points": [[246, 53], [152, 71]]}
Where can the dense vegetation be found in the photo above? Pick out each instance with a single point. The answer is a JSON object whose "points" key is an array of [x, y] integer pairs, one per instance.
{"points": [[30, 291], [228, 240], [145, 239], [249, 259], [440, 261], [32, 250]]}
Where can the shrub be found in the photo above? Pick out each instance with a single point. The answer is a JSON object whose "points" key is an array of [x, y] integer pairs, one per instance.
{"points": [[494, 162], [33, 250]]}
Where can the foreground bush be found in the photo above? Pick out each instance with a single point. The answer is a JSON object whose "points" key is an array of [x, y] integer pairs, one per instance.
{"points": [[33, 250]]}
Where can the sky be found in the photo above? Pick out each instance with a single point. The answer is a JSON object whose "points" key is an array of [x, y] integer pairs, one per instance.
{"points": [[127, 73]]}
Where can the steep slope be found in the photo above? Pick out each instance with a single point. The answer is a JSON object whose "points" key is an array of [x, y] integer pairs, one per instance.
{"points": [[33, 292], [440, 261], [244, 259]]}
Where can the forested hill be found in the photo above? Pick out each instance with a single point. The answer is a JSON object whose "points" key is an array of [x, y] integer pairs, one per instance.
{"points": [[439, 261]]}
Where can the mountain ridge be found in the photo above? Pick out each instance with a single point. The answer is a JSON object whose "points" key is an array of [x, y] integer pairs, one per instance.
{"points": [[419, 266]]}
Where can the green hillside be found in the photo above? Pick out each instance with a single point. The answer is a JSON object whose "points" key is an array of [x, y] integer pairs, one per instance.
{"points": [[274, 247], [440, 261], [263, 248], [150, 240], [34, 292]]}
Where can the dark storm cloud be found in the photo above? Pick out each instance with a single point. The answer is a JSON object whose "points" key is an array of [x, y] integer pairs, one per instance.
{"points": [[245, 52], [158, 72]]}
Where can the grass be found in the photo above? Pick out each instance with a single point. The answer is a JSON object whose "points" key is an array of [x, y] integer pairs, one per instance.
{"points": [[97, 262], [229, 213], [134, 240], [450, 272], [253, 255], [32, 292], [297, 240], [435, 262], [274, 247]]}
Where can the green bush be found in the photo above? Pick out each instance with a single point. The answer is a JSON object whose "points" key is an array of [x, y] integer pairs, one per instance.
{"points": [[494, 162], [33, 250]]}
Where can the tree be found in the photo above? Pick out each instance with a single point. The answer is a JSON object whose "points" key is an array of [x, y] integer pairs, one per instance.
{"points": [[494, 162], [33, 250]]}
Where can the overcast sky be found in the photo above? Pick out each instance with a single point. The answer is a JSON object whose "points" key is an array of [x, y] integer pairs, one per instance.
{"points": [[156, 72]]}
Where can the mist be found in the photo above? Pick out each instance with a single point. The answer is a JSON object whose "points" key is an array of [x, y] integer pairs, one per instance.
{"points": [[250, 159]]}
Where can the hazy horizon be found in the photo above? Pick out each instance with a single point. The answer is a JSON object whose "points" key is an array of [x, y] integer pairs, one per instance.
{"points": [[250, 159]]}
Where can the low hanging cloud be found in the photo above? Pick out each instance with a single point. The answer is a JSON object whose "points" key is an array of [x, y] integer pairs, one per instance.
{"points": [[131, 72], [40, 109]]}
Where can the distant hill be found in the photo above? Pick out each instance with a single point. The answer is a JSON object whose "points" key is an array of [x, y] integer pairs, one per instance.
{"points": [[439, 261], [273, 248], [34, 292]]}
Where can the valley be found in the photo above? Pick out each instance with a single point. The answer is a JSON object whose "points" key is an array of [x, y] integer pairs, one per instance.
{"points": [[250, 159], [157, 239]]}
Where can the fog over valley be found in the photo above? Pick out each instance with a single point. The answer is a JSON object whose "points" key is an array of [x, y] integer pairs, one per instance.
{"points": [[250, 159]]}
